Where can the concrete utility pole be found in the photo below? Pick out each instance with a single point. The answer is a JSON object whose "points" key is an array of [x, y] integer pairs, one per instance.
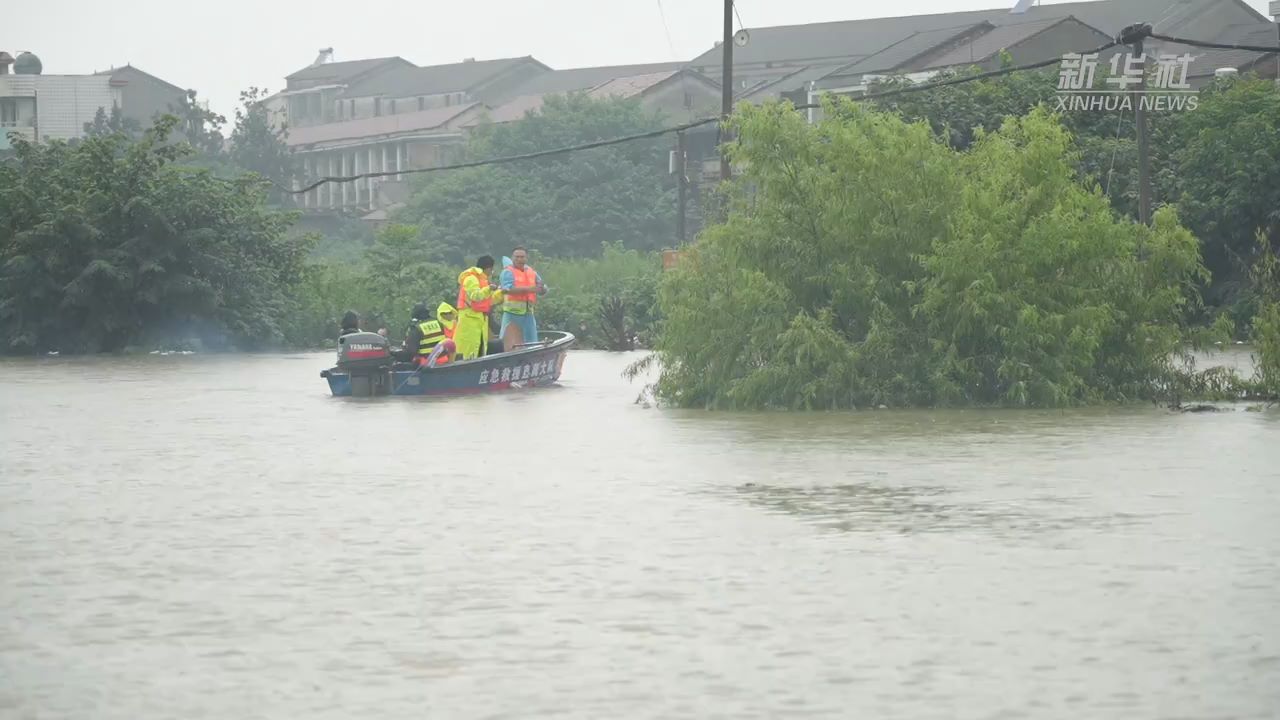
{"points": [[1132, 36], [726, 85], [681, 182]]}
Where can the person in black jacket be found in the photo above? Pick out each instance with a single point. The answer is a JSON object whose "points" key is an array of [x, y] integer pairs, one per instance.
{"points": [[350, 323]]}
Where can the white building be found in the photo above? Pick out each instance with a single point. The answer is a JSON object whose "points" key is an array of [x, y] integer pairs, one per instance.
{"points": [[39, 107]]}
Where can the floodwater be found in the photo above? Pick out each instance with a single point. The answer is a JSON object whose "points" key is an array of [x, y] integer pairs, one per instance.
{"points": [[216, 537]]}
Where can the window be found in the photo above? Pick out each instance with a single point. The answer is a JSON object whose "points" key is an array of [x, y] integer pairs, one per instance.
{"points": [[688, 100], [448, 100], [377, 107], [8, 112], [393, 106], [422, 103], [353, 108]]}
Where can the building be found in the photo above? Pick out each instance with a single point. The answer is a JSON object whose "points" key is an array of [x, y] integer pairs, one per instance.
{"points": [[922, 55], [678, 93], [793, 61], [38, 107], [144, 96], [387, 115]]}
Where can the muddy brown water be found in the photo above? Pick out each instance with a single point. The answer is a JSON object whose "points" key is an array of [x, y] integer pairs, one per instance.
{"points": [[216, 537]]}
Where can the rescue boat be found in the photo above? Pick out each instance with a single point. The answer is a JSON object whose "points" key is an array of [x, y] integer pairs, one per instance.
{"points": [[367, 368]]}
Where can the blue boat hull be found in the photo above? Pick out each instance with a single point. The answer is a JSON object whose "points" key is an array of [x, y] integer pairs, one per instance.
{"points": [[528, 367]]}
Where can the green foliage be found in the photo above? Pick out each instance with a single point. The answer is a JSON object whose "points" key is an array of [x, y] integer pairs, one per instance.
{"points": [[258, 146], [401, 272], [199, 126], [1266, 323], [607, 302], [864, 262], [1219, 163], [957, 112], [393, 275], [112, 123], [562, 206], [1226, 176], [108, 243]]}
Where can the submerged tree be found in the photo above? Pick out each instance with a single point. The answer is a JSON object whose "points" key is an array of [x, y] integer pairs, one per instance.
{"points": [[108, 243], [865, 262]]}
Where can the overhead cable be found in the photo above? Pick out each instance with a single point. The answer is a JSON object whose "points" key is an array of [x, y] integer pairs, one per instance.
{"points": [[922, 87]]}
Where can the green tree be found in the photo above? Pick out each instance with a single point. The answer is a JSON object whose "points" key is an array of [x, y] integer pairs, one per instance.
{"points": [[564, 206], [1225, 177], [258, 145], [1265, 328], [609, 302], [198, 125], [109, 243], [401, 272], [112, 123], [865, 262]]}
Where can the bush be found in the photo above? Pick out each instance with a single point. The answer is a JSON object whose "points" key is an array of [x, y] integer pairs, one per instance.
{"points": [[865, 262], [608, 303], [109, 243]]}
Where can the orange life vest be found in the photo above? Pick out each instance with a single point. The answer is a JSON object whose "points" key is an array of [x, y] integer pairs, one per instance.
{"points": [[465, 304], [525, 287]]}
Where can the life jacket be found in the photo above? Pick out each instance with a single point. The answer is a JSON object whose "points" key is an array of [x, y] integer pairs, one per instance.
{"points": [[524, 291], [481, 306], [432, 334]]}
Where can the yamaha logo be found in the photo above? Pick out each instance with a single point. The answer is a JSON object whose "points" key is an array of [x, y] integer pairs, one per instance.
{"points": [[364, 346]]}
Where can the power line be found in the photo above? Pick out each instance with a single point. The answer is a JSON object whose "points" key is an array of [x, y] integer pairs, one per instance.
{"points": [[666, 29], [960, 80], [923, 87], [1214, 45]]}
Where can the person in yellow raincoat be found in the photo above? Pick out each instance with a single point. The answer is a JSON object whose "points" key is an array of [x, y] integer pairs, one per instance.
{"points": [[447, 316], [475, 299]]}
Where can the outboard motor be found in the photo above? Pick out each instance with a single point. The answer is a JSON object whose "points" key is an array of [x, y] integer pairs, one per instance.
{"points": [[366, 356]]}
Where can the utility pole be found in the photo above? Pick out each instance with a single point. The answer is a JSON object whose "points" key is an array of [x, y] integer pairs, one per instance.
{"points": [[681, 182], [726, 87], [1132, 36]]}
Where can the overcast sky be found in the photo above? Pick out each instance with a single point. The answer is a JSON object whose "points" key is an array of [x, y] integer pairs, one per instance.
{"points": [[221, 48]]}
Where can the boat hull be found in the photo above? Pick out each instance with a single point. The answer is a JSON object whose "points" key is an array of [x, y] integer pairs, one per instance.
{"points": [[534, 366]]}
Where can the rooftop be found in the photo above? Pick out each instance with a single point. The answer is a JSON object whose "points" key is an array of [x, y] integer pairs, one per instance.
{"points": [[381, 126], [344, 70], [436, 79], [562, 81], [860, 38]]}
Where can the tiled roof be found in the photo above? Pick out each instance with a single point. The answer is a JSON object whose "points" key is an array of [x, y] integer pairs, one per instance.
{"points": [[342, 70], [562, 81], [434, 79], [911, 47], [853, 38], [376, 127], [989, 44]]}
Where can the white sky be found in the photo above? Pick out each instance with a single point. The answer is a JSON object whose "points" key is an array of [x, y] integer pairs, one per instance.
{"points": [[221, 48]]}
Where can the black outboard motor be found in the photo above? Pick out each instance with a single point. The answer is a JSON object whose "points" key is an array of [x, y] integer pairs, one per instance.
{"points": [[367, 358]]}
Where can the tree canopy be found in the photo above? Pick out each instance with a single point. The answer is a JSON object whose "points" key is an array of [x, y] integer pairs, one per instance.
{"points": [[865, 262], [110, 242], [564, 206]]}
